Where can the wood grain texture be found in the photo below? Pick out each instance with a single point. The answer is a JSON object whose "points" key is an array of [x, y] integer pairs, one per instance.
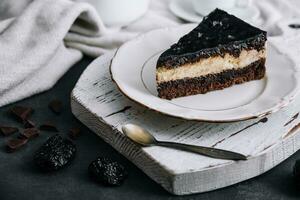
{"points": [[268, 141]]}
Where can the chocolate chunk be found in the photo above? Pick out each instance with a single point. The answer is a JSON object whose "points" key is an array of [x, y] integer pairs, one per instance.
{"points": [[56, 106], [30, 133], [28, 124], [6, 130], [48, 126], [15, 144], [74, 133], [21, 113]]}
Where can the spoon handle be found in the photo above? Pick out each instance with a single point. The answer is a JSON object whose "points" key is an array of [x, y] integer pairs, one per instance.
{"points": [[207, 151]]}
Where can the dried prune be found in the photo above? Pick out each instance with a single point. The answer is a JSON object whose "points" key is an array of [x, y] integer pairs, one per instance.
{"points": [[55, 153], [107, 172]]}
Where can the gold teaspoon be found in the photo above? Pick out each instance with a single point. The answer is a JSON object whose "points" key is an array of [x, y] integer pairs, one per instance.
{"points": [[143, 137]]}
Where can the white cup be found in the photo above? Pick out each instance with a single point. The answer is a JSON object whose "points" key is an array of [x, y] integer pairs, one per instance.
{"points": [[119, 12], [204, 7]]}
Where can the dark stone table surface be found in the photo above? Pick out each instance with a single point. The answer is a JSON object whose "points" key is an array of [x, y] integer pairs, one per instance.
{"points": [[20, 180]]}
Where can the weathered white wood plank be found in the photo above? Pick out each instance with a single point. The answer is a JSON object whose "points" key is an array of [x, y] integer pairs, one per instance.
{"points": [[98, 104]]}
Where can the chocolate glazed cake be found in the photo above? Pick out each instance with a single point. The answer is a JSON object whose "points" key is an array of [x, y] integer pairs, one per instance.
{"points": [[220, 52]]}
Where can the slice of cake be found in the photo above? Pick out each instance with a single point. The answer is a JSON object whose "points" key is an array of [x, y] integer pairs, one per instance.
{"points": [[220, 52]]}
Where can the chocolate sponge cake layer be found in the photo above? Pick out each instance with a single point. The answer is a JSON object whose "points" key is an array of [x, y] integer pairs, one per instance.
{"points": [[203, 84]]}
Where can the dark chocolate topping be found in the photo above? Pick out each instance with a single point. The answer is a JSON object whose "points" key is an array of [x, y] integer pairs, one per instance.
{"points": [[217, 34]]}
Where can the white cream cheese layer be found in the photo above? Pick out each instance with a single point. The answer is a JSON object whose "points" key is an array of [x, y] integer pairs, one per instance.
{"points": [[211, 65]]}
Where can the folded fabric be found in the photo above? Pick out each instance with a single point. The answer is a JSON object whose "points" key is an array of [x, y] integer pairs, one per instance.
{"points": [[32, 52], [41, 39]]}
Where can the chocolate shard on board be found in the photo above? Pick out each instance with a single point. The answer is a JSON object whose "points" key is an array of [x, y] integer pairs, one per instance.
{"points": [[56, 106], [74, 133], [21, 113], [48, 126], [221, 51], [7, 130], [30, 133], [15, 144]]}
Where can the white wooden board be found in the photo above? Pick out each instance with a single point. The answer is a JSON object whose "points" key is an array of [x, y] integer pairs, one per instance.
{"points": [[97, 102]]}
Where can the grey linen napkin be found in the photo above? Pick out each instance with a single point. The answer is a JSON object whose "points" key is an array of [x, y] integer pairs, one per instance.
{"points": [[33, 55]]}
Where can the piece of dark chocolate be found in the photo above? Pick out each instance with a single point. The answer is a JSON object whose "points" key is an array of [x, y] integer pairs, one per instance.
{"points": [[28, 124], [30, 133], [21, 113], [74, 133], [15, 144], [48, 126], [56, 106], [7, 130]]}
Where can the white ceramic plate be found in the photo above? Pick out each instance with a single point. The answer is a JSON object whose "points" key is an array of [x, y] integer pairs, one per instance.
{"points": [[184, 10], [116, 13], [133, 70]]}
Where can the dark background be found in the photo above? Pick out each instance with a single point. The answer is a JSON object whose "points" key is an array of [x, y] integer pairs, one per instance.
{"points": [[20, 180]]}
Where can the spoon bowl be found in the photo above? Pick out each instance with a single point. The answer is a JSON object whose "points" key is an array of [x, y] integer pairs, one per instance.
{"points": [[138, 135]]}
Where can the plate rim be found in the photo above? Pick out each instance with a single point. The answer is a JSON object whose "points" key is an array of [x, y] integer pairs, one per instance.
{"points": [[188, 19], [280, 105]]}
